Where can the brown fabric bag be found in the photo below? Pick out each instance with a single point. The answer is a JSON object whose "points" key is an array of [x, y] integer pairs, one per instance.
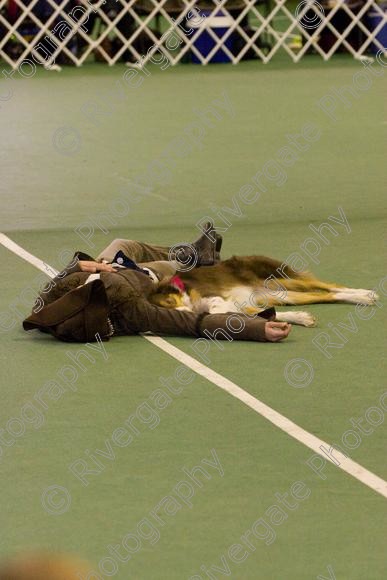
{"points": [[75, 317]]}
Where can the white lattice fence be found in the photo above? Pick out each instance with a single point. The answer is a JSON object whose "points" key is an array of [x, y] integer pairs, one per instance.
{"points": [[49, 31]]}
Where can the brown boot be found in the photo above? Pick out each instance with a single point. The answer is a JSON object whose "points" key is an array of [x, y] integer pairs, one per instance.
{"points": [[205, 247], [201, 252]]}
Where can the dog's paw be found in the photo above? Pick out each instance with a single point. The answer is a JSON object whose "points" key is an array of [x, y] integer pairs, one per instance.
{"points": [[202, 305], [217, 305], [369, 297], [374, 296], [308, 319], [366, 297], [297, 317]]}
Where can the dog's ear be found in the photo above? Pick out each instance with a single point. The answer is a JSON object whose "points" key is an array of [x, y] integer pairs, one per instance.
{"points": [[166, 300], [171, 300], [155, 298]]}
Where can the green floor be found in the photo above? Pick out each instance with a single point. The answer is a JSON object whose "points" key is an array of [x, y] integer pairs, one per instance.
{"points": [[339, 530]]}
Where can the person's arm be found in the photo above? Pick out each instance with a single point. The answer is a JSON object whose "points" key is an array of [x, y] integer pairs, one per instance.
{"points": [[241, 327], [139, 315]]}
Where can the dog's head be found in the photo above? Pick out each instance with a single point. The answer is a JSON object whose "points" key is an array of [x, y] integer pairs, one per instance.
{"points": [[167, 296]]}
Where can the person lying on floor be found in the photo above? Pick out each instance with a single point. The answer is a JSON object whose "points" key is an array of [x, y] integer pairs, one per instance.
{"points": [[94, 299]]}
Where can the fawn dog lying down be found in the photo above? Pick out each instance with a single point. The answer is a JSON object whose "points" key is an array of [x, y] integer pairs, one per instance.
{"points": [[250, 284]]}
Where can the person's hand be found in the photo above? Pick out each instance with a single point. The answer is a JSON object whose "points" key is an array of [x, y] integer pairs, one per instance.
{"points": [[94, 267], [276, 331]]}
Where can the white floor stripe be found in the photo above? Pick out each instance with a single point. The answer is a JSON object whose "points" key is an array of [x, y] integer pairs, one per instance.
{"points": [[292, 429], [16, 249]]}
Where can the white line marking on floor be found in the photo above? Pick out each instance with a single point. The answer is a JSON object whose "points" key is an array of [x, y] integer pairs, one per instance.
{"points": [[22, 253], [292, 429]]}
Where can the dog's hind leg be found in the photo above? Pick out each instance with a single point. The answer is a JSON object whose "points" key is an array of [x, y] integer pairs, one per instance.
{"points": [[356, 296], [323, 291], [297, 298], [356, 293], [345, 294], [294, 298], [313, 284]]}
